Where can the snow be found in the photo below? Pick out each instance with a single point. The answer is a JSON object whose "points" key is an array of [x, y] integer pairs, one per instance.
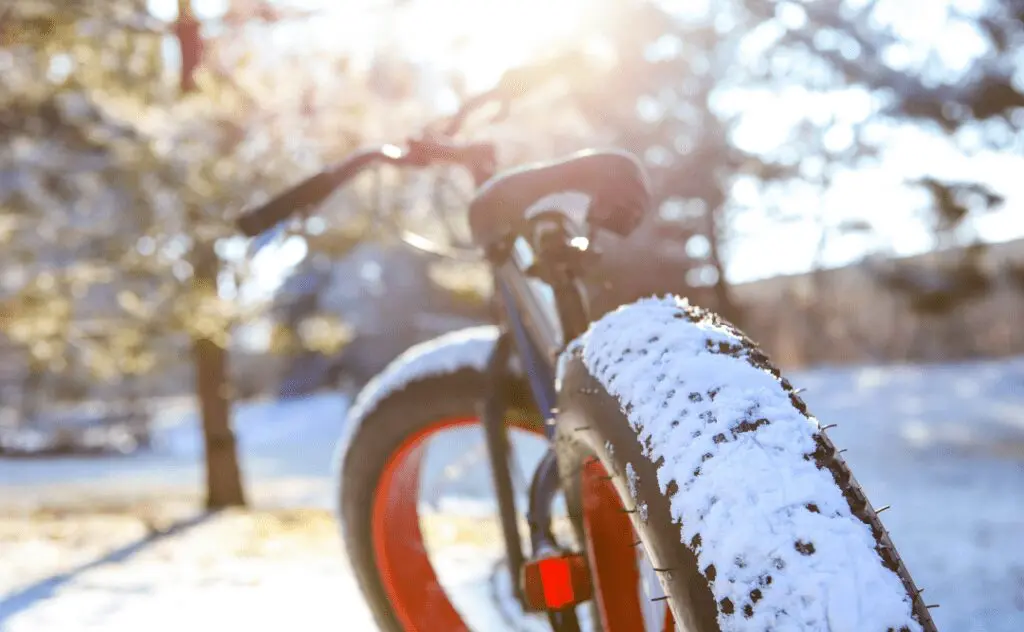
{"points": [[772, 532], [944, 445], [224, 573], [468, 348], [286, 450]]}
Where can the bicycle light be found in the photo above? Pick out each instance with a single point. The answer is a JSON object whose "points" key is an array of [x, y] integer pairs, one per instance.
{"points": [[556, 583]]}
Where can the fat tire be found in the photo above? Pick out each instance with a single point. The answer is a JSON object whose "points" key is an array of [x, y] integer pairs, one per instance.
{"points": [[594, 423], [590, 425], [383, 430]]}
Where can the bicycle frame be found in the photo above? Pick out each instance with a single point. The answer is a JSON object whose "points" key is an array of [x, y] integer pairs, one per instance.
{"points": [[538, 319], [541, 305]]}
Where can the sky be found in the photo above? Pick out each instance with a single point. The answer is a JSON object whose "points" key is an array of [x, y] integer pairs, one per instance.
{"points": [[498, 34]]}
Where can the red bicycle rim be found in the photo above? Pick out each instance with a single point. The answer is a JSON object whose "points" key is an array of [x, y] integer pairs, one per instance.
{"points": [[419, 601], [412, 587], [611, 544]]}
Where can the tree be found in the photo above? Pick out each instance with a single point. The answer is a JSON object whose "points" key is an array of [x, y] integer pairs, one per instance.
{"points": [[124, 188], [210, 318], [972, 103], [61, 160], [223, 475], [658, 100]]}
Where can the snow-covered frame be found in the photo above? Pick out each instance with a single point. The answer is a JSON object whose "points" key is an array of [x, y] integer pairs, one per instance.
{"points": [[468, 348]]}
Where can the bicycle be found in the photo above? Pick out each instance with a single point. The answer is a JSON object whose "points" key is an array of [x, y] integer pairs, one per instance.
{"points": [[680, 449]]}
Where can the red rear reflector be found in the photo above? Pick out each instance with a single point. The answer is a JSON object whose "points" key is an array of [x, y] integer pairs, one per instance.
{"points": [[555, 583], [556, 580]]}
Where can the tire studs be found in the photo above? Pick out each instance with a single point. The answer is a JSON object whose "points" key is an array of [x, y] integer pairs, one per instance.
{"points": [[934, 605], [662, 598], [829, 427], [881, 509]]}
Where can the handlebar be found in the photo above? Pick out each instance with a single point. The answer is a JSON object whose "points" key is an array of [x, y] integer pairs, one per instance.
{"points": [[307, 193], [479, 158]]}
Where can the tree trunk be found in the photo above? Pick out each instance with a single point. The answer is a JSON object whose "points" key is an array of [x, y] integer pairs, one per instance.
{"points": [[31, 389], [223, 474]]}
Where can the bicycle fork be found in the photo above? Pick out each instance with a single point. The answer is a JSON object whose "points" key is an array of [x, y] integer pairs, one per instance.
{"points": [[552, 580]]}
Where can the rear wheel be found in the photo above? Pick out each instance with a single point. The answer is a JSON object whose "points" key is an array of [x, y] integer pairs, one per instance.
{"points": [[677, 436], [380, 497]]}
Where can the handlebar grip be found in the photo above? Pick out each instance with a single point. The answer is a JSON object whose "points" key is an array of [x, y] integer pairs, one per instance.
{"points": [[304, 194]]}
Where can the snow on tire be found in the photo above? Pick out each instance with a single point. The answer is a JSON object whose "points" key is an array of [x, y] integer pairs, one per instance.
{"points": [[781, 531]]}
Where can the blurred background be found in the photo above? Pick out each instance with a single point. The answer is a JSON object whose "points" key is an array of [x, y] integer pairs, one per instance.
{"points": [[840, 178]]}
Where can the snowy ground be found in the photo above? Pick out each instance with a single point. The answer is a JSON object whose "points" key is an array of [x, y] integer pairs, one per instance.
{"points": [[233, 571], [943, 445]]}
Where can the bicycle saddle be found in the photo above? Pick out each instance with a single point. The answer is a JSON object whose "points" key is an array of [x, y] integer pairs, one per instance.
{"points": [[613, 180]]}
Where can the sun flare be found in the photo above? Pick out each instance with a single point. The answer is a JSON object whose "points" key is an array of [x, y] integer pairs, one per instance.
{"points": [[483, 38]]}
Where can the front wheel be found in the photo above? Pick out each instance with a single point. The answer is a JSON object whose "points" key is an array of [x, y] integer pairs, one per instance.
{"points": [[708, 498]]}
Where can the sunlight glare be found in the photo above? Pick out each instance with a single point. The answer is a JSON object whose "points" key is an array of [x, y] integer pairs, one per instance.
{"points": [[484, 38]]}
